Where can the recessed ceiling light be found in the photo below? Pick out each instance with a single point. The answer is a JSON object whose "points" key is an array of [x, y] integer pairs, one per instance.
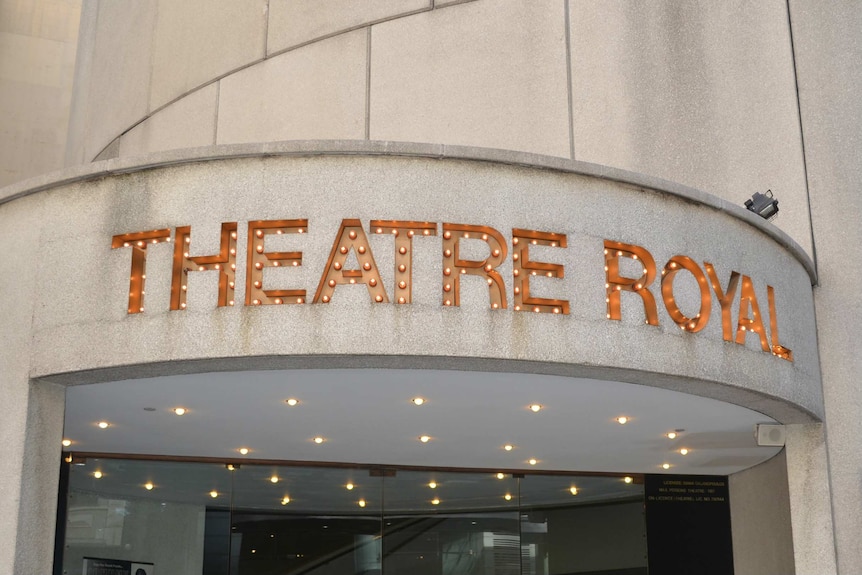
{"points": [[180, 410], [361, 503], [533, 461], [435, 501], [103, 425], [665, 465], [424, 438], [349, 486], [418, 400], [535, 408], [213, 493], [671, 435], [683, 451], [97, 474], [627, 479], [433, 485], [231, 467], [507, 497], [148, 486], [285, 500], [318, 440], [273, 479], [292, 401], [622, 420], [243, 450], [67, 442], [501, 476], [508, 447], [573, 490]]}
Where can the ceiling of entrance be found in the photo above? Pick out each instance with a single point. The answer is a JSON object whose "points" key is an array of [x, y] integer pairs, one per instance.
{"points": [[368, 416]]}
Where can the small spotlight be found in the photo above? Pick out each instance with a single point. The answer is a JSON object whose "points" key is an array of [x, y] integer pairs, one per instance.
{"points": [[628, 479], [418, 400], [764, 205], [424, 438], [292, 401]]}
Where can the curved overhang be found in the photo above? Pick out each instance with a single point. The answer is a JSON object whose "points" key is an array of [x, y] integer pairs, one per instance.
{"points": [[591, 230]]}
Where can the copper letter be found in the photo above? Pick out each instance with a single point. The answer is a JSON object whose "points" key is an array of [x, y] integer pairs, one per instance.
{"points": [[257, 260], [616, 284], [138, 241], [777, 349], [350, 237], [725, 298], [699, 321], [224, 263], [454, 266], [523, 268], [403, 231], [748, 299]]}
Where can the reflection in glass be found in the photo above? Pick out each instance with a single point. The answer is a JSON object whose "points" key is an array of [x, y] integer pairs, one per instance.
{"points": [[194, 518]]}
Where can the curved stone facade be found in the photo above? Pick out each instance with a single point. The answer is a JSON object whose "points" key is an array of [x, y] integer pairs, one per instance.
{"points": [[636, 128]]}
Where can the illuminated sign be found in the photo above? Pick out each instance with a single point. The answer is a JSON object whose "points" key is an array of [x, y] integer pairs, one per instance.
{"points": [[351, 238]]}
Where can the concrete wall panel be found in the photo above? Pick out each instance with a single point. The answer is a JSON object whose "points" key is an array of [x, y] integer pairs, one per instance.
{"points": [[187, 123], [317, 91], [197, 41], [828, 52], [489, 74], [31, 422], [117, 94], [295, 22], [701, 93], [762, 534], [37, 64]]}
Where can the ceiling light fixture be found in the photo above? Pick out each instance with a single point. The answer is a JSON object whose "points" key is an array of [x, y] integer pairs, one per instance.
{"points": [[533, 461], [535, 408], [243, 450], [424, 438], [665, 465], [291, 402], [67, 442], [273, 479], [349, 486], [103, 425], [507, 497], [627, 479], [285, 500], [501, 476], [683, 451], [435, 501], [148, 486], [361, 503], [318, 440], [671, 435], [213, 493], [418, 400], [508, 447], [180, 410], [97, 474], [622, 420], [573, 490], [433, 485]]}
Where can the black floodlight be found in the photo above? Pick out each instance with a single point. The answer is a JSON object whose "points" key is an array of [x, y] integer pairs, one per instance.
{"points": [[764, 205]]}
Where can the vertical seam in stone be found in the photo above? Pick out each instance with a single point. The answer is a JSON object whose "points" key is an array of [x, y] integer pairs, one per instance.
{"points": [[569, 82], [266, 30], [368, 85], [152, 62], [215, 122], [802, 140]]}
